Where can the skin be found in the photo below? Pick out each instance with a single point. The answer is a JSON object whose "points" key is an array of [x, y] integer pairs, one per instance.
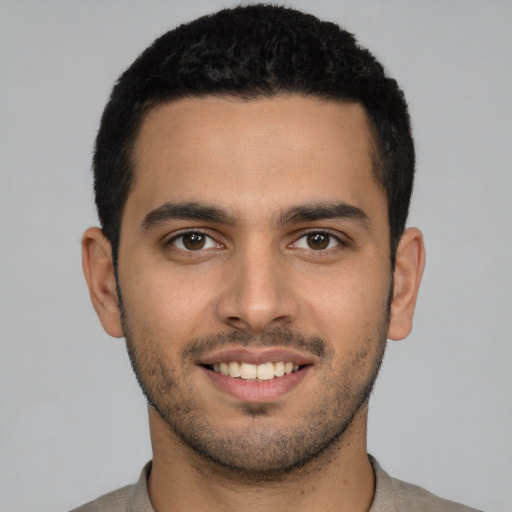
{"points": [[257, 276]]}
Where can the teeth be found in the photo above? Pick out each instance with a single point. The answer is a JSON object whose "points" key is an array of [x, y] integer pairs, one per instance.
{"points": [[234, 369], [279, 369], [248, 371], [265, 371]]}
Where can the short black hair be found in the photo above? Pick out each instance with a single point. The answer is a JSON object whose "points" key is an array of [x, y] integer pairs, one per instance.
{"points": [[249, 52]]}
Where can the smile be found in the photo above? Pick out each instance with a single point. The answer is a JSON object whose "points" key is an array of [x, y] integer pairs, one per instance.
{"points": [[254, 372]]}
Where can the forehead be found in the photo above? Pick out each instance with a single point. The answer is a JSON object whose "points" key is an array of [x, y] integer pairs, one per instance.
{"points": [[241, 154]]}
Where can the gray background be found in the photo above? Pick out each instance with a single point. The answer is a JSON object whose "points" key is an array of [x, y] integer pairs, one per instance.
{"points": [[73, 422]]}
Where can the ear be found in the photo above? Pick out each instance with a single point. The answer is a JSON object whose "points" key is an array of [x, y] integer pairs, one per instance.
{"points": [[410, 261], [99, 274]]}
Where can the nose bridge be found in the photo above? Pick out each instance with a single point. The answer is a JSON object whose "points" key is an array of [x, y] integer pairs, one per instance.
{"points": [[257, 295]]}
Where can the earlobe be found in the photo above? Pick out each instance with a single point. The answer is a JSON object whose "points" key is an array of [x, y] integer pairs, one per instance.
{"points": [[99, 274], [410, 261]]}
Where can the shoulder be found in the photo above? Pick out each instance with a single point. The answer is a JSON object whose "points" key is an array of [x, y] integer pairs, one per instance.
{"points": [[392, 495], [115, 501], [132, 498]]}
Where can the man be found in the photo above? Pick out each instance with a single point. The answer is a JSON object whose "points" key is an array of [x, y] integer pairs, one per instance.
{"points": [[253, 172]]}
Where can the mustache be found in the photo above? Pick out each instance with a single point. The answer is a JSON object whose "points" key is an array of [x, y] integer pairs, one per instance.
{"points": [[282, 337]]}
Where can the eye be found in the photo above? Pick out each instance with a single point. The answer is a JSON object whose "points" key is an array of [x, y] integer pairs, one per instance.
{"points": [[317, 241], [193, 241]]}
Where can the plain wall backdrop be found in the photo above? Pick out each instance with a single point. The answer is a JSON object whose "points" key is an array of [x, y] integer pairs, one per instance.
{"points": [[73, 421]]}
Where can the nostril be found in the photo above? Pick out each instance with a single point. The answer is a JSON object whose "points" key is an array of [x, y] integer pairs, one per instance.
{"points": [[256, 308]]}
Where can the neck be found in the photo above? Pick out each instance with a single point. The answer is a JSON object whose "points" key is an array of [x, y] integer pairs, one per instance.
{"points": [[341, 478]]}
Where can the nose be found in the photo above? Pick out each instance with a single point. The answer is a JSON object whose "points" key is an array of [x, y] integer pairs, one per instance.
{"points": [[257, 294]]}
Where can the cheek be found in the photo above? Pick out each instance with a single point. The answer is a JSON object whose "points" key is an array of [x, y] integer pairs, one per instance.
{"points": [[347, 289], [167, 305], [350, 303]]}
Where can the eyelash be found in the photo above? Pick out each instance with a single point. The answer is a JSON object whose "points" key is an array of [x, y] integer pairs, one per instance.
{"points": [[340, 242], [183, 234]]}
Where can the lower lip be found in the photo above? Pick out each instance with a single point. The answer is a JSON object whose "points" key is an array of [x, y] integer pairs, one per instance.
{"points": [[257, 391]]}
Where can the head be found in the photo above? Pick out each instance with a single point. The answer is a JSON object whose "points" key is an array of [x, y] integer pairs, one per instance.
{"points": [[251, 52], [253, 172]]}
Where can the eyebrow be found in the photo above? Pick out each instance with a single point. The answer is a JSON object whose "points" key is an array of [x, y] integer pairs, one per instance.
{"points": [[324, 210], [294, 215], [185, 211]]}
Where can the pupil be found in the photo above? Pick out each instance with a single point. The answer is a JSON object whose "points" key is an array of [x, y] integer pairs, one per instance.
{"points": [[318, 241], [194, 241]]}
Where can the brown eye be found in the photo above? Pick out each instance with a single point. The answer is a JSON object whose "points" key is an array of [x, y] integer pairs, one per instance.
{"points": [[193, 241], [318, 241]]}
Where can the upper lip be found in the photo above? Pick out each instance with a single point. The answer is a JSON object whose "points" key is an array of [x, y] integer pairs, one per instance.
{"points": [[257, 356]]}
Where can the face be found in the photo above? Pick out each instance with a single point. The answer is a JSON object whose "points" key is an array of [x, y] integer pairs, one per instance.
{"points": [[255, 275]]}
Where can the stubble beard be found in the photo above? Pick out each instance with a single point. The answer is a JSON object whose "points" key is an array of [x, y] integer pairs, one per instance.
{"points": [[262, 451]]}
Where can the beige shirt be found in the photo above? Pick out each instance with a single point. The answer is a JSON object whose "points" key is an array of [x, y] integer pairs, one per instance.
{"points": [[391, 495]]}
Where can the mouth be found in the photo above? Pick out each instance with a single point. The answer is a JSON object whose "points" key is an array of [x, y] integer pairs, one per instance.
{"points": [[255, 372], [253, 375]]}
